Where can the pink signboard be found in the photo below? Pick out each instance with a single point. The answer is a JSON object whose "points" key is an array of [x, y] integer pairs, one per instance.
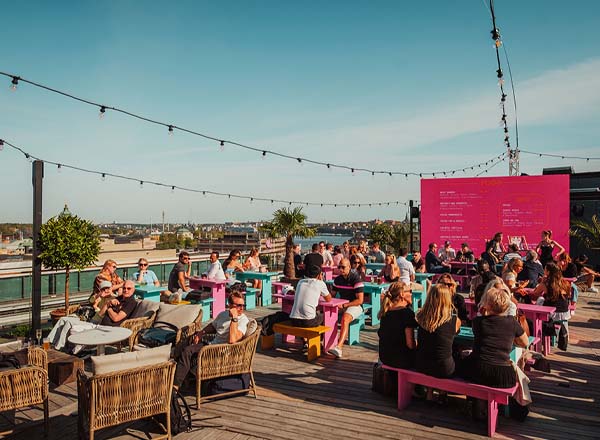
{"points": [[472, 210]]}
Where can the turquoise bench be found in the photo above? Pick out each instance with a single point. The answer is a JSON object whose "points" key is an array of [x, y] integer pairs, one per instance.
{"points": [[354, 329], [251, 293], [205, 303]]}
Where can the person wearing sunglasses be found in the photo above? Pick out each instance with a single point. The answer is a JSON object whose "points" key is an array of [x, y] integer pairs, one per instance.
{"points": [[108, 273], [179, 276], [120, 308], [145, 275], [229, 326]]}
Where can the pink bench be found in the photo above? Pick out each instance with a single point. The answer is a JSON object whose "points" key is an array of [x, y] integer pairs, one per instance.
{"points": [[278, 287], [494, 396]]}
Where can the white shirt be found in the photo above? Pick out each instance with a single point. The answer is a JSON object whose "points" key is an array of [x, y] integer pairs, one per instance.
{"points": [[327, 258], [407, 270], [221, 324], [306, 300], [215, 271], [447, 254]]}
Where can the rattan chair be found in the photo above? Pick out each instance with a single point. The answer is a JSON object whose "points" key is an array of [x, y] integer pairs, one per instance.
{"points": [[136, 325], [28, 385], [110, 399], [220, 360]]}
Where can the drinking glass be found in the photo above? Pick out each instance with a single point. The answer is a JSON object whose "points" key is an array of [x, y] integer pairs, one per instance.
{"points": [[46, 344], [38, 336]]}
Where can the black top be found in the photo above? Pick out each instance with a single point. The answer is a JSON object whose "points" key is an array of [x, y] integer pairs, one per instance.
{"points": [[465, 256], [570, 271], [461, 309], [431, 260], [297, 262], [531, 272], [494, 336], [126, 304], [313, 259], [546, 253], [417, 264], [434, 350], [388, 278], [392, 339], [561, 304], [348, 287], [173, 285]]}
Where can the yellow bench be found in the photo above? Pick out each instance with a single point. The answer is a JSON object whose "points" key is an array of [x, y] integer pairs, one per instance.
{"points": [[312, 334]]}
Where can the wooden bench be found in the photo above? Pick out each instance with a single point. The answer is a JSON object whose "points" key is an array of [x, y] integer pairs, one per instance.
{"points": [[312, 334], [494, 396]]}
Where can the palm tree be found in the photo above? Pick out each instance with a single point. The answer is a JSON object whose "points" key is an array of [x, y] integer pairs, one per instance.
{"points": [[289, 223], [587, 233]]}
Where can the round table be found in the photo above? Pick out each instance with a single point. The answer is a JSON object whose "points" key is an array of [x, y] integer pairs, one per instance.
{"points": [[100, 336]]}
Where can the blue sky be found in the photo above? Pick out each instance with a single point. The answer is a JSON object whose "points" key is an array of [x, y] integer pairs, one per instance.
{"points": [[384, 84]]}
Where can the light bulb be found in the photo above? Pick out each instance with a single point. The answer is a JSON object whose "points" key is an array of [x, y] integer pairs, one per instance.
{"points": [[1, 145], [59, 168], [102, 111], [104, 177], [14, 83], [222, 146], [264, 154], [172, 190], [141, 184], [170, 130]]}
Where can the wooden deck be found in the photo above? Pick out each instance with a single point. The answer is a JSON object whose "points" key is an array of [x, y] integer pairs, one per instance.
{"points": [[332, 398]]}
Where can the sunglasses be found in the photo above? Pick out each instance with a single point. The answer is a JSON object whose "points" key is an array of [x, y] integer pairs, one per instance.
{"points": [[128, 288], [142, 264]]}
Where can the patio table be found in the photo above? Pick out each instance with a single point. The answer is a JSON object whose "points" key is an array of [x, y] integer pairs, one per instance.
{"points": [[330, 310], [465, 335], [375, 266], [327, 272], [149, 292], [217, 289], [100, 336], [265, 277], [374, 291]]}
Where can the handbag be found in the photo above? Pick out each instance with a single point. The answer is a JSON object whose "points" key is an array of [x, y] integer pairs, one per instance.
{"points": [[155, 337], [9, 362], [548, 328], [384, 381]]}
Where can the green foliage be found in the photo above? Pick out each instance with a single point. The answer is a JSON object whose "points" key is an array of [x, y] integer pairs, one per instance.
{"points": [[381, 233], [587, 233], [68, 242], [20, 331], [400, 237], [170, 241]]}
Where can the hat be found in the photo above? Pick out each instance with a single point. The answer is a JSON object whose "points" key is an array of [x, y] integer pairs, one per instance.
{"points": [[105, 284], [313, 271], [288, 290], [446, 243]]}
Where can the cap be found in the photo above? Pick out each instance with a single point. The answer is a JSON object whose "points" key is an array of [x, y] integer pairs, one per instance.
{"points": [[105, 284], [313, 271], [287, 290]]}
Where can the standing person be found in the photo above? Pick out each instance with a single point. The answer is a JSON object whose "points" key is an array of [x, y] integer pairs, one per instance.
{"points": [[179, 276], [532, 270], [546, 246], [327, 258], [391, 272], [337, 256], [215, 270], [418, 262], [232, 263], [308, 292], [350, 287], [229, 326], [108, 273], [119, 309], [377, 254], [252, 264], [346, 249], [314, 258], [494, 335], [396, 329], [465, 253], [145, 275], [437, 326], [447, 253], [432, 263], [298, 261]]}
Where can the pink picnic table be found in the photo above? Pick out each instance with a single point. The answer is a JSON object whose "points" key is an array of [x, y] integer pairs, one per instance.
{"points": [[328, 272], [535, 313], [217, 289], [330, 310]]}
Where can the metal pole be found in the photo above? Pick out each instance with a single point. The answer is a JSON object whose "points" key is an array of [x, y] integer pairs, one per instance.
{"points": [[410, 224], [36, 281]]}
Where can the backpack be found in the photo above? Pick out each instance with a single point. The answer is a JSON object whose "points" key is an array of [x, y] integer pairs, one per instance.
{"points": [[9, 362], [226, 384], [155, 337], [181, 416]]}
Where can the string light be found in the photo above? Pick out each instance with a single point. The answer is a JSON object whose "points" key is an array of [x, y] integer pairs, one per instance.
{"points": [[172, 189], [1, 145], [59, 168], [141, 184], [171, 128], [102, 111], [103, 177], [14, 83], [264, 154], [587, 159]]}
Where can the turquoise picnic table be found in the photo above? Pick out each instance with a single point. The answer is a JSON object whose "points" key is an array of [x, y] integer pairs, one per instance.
{"points": [[265, 277], [149, 292], [373, 302], [375, 266], [465, 335]]}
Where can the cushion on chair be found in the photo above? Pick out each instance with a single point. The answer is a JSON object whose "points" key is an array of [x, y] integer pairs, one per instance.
{"points": [[145, 308], [177, 315], [251, 328], [133, 359]]}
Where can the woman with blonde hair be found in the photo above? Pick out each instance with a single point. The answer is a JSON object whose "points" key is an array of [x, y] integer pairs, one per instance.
{"points": [[252, 264], [391, 271], [438, 324], [108, 273], [495, 333], [457, 300], [396, 329]]}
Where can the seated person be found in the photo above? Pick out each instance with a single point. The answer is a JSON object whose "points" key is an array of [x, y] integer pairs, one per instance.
{"points": [[465, 253], [252, 264], [432, 263], [215, 270], [109, 273], [350, 287], [308, 292], [495, 333], [357, 266], [532, 271], [481, 267], [585, 280], [437, 326], [509, 276], [418, 262], [555, 291], [447, 253], [232, 263], [568, 268], [376, 254], [178, 278], [391, 271], [230, 327], [513, 252], [457, 299], [396, 329], [120, 308], [145, 275]]}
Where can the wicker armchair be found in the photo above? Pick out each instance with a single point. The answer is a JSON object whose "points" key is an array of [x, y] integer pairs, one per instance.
{"points": [[123, 396], [219, 360], [136, 325], [28, 385]]}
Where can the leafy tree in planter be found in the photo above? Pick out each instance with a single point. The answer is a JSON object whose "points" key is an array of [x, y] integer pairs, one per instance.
{"points": [[288, 223], [68, 242]]}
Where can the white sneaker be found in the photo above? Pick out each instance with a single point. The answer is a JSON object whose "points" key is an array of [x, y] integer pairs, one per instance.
{"points": [[336, 351], [593, 289]]}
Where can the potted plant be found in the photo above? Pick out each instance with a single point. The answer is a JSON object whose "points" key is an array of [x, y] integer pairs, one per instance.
{"points": [[68, 242], [288, 223]]}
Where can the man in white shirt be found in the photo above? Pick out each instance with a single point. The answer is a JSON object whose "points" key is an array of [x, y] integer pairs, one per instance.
{"points": [[327, 257], [230, 326], [308, 292], [215, 270], [407, 270], [447, 253]]}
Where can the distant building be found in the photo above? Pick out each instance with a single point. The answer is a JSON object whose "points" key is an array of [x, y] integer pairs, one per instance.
{"points": [[183, 233]]}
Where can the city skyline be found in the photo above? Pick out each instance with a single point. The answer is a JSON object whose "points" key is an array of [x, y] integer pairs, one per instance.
{"points": [[399, 87]]}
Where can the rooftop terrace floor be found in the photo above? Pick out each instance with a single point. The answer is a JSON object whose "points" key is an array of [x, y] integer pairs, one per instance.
{"points": [[332, 398]]}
